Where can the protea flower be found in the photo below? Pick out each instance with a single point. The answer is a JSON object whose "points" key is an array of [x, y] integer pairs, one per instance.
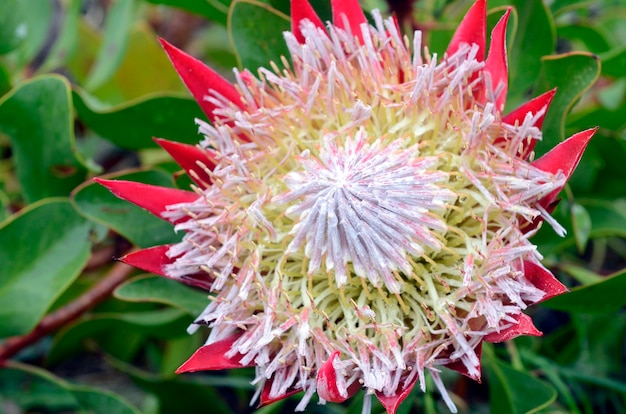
{"points": [[362, 215]]}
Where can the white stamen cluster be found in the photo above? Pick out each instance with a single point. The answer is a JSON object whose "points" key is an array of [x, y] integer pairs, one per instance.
{"points": [[363, 203]]}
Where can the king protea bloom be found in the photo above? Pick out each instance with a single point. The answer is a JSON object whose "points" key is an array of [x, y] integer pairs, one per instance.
{"points": [[362, 214]]}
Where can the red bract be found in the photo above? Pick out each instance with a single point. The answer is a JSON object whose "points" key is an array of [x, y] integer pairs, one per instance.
{"points": [[362, 217]]}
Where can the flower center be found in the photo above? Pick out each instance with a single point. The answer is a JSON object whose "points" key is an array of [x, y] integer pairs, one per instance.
{"points": [[362, 207]]}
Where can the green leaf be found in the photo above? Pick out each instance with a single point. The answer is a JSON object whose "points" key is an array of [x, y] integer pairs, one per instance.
{"points": [[99, 401], [560, 6], [37, 116], [13, 25], [605, 296], [137, 225], [161, 290], [614, 62], [34, 388], [256, 31], [592, 36], [112, 51], [186, 394], [516, 392], [39, 16], [608, 218], [42, 250], [572, 74], [119, 334], [133, 124], [214, 10], [65, 45]]}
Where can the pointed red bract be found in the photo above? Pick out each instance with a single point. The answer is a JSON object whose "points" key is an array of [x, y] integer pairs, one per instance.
{"points": [[152, 260], [544, 280], [153, 198], [349, 11], [471, 30], [392, 403], [564, 157], [460, 367], [496, 70], [533, 106], [155, 259], [302, 10], [517, 116], [190, 158], [327, 382], [199, 79], [524, 326], [265, 394], [212, 357]]}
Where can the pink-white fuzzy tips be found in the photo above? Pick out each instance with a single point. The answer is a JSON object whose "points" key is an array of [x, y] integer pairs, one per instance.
{"points": [[213, 357], [194, 160], [327, 382], [348, 15], [391, 403], [472, 30], [543, 280], [496, 72], [200, 79], [524, 326], [153, 198], [302, 10], [564, 157]]}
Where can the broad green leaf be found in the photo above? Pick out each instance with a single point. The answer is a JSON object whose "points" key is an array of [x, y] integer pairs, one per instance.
{"points": [[592, 36], [13, 25], [256, 30], [535, 38], [614, 62], [5, 80], [133, 124], [516, 392], [39, 16], [112, 51], [605, 296], [144, 69], [214, 10], [561, 6], [37, 116], [161, 290], [99, 401], [581, 274], [34, 388], [137, 225], [186, 393], [119, 334], [572, 74], [65, 45], [608, 218], [42, 250]]}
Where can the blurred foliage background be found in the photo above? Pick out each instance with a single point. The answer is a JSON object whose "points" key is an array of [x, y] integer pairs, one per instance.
{"points": [[84, 87]]}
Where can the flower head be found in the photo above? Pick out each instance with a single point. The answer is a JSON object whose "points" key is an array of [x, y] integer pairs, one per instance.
{"points": [[362, 215]]}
